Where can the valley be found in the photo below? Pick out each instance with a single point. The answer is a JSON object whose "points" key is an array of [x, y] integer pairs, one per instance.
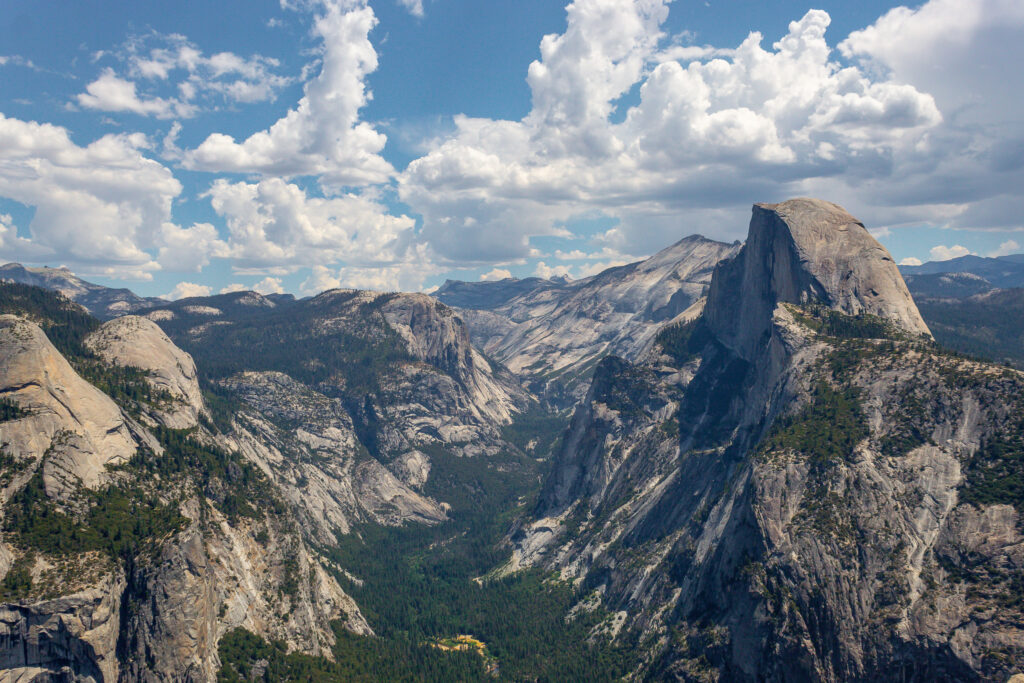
{"points": [[767, 460]]}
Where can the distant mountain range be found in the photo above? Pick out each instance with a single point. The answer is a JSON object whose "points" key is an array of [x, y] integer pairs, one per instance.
{"points": [[964, 276], [724, 462], [102, 302]]}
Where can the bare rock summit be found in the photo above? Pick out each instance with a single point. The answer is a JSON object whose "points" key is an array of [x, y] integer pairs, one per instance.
{"points": [[804, 251]]}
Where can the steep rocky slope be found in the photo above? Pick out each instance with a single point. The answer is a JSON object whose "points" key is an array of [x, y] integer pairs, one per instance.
{"points": [[129, 548], [556, 334], [798, 485], [402, 365], [103, 302]]}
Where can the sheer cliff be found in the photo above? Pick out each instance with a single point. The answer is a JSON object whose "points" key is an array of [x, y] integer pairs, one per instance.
{"points": [[554, 335], [799, 484]]}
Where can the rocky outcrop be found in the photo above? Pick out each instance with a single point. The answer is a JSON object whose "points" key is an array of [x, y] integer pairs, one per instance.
{"points": [[73, 637], [558, 334], [213, 545], [435, 335], [78, 428], [140, 343], [805, 251], [216, 576], [811, 502], [306, 443]]}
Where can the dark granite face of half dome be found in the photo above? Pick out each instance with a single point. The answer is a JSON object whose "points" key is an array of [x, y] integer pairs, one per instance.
{"points": [[799, 251]]}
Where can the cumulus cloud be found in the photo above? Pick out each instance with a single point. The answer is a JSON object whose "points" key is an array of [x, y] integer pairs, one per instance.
{"points": [[910, 261], [710, 126], [958, 52], [273, 223], [190, 249], [269, 285], [183, 290], [1006, 248], [496, 274], [944, 253], [98, 208], [176, 62], [320, 279], [110, 92], [234, 287], [323, 135]]}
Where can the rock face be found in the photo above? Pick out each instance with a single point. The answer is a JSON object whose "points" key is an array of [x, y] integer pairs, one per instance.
{"points": [[813, 500], [78, 427], [220, 545], [435, 335], [307, 444], [140, 343], [103, 302], [48, 637], [804, 251], [559, 333], [209, 581], [402, 364]]}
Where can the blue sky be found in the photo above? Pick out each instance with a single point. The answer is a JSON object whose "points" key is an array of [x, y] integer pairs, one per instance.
{"points": [[304, 144]]}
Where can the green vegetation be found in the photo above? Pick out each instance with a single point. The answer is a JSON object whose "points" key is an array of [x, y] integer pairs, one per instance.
{"points": [[117, 522], [990, 326], [66, 324], [9, 410], [996, 472], [356, 658], [832, 323], [423, 585], [684, 341], [17, 582], [826, 430], [536, 432], [236, 485], [292, 339]]}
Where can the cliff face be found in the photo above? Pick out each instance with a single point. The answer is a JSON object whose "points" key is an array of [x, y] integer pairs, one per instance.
{"points": [[798, 485], [78, 426], [805, 251], [135, 342], [129, 550], [558, 333]]}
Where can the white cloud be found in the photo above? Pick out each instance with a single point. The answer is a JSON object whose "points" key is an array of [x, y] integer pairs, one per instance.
{"points": [[1006, 248], [595, 268], [958, 51], [178, 64], [110, 92], [910, 261], [944, 253], [269, 285], [415, 7], [750, 123], [320, 279], [13, 247], [275, 224], [100, 208], [545, 271], [190, 249], [183, 290], [323, 135], [234, 287], [496, 274]]}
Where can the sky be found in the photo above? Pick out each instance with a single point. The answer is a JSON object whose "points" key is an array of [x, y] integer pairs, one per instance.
{"points": [[185, 149]]}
